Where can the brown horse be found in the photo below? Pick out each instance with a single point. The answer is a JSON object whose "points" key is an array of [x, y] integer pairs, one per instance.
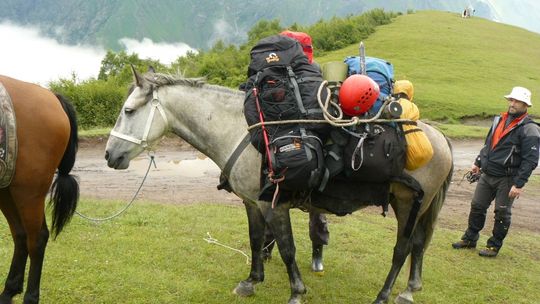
{"points": [[47, 140]]}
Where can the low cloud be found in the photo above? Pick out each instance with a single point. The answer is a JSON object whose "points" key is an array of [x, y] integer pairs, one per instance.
{"points": [[164, 52], [26, 55]]}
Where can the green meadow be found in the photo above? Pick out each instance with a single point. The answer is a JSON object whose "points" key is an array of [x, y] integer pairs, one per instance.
{"points": [[156, 253]]}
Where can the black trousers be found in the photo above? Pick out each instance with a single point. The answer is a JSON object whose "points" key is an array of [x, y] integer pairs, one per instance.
{"points": [[491, 188]]}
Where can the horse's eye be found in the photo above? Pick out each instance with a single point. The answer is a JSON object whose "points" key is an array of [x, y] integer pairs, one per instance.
{"points": [[128, 111]]}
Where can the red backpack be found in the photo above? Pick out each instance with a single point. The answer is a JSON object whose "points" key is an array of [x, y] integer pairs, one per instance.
{"points": [[305, 41]]}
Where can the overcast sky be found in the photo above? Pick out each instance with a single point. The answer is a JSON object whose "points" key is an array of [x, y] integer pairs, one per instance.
{"points": [[26, 55]]}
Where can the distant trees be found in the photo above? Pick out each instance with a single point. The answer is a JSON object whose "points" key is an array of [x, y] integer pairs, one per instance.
{"points": [[98, 101]]}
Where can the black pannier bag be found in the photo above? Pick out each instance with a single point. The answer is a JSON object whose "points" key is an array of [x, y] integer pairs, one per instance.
{"points": [[375, 154], [299, 157], [285, 85]]}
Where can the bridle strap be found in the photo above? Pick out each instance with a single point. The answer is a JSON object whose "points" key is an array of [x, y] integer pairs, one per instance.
{"points": [[155, 105]]}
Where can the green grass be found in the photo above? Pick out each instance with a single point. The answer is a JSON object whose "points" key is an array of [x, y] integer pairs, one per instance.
{"points": [[96, 132], [461, 68], [461, 131], [155, 253]]}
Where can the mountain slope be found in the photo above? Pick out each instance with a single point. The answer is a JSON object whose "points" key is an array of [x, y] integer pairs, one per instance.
{"points": [[460, 67], [197, 23]]}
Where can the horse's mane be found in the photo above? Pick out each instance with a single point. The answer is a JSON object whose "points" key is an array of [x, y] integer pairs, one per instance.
{"points": [[160, 79]]}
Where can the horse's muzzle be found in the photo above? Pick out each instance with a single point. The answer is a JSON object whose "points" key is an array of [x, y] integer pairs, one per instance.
{"points": [[116, 162]]}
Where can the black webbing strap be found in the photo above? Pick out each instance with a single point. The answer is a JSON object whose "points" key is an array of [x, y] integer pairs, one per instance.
{"points": [[412, 183], [413, 130], [292, 78], [234, 156]]}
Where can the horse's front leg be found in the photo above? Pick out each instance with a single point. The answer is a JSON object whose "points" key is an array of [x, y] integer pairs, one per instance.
{"points": [[279, 221], [257, 225]]}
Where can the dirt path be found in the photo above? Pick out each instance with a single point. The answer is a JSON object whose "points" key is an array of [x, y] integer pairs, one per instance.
{"points": [[183, 175]]}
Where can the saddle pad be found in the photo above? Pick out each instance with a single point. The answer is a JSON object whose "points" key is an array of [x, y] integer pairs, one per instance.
{"points": [[343, 196], [8, 138]]}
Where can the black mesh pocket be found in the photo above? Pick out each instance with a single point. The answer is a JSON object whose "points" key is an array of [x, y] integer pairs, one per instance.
{"points": [[277, 99]]}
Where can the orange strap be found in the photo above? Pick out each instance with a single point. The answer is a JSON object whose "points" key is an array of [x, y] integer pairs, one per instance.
{"points": [[501, 131]]}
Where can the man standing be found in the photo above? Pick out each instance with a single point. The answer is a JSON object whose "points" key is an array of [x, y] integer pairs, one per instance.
{"points": [[506, 161]]}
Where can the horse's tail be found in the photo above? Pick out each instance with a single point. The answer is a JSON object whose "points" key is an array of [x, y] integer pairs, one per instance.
{"points": [[430, 216], [65, 188]]}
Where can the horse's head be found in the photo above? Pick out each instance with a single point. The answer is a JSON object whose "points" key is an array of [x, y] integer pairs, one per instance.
{"points": [[142, 121]]}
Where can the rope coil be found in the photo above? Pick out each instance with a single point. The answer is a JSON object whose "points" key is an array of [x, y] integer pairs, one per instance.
{"points": [[336, 121]]}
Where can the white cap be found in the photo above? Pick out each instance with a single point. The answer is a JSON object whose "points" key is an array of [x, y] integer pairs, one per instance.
{"points": [[521, 94]]}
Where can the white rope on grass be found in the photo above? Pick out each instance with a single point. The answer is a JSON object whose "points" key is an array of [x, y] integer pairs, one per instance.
{"points": [[210, 240]]}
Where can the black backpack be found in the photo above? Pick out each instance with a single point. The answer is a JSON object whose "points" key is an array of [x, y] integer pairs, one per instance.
{"points": [[375, 153], [286, 87]]}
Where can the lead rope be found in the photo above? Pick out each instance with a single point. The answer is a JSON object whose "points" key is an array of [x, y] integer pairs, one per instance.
{"points": [[152, 161]]}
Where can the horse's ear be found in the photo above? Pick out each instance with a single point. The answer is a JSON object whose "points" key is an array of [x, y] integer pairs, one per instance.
{"points": [[151, 69], [136, 77]]}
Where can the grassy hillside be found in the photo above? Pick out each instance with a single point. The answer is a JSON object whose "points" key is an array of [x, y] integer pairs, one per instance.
{"points": [[461, 68]]}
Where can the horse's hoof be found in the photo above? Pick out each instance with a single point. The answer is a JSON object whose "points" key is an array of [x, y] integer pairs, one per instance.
{"points": [[295, 300], [416, 288], [404, 298], [244, 289], [317, 266]]}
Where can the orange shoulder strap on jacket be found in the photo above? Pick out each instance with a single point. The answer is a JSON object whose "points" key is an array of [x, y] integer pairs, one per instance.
{"points": [[501, 131]]}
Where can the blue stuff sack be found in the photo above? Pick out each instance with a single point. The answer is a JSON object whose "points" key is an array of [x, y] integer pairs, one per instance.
{"points": [[380, 70]]}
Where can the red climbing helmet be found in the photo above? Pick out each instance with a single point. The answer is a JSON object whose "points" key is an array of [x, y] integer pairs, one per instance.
{"points": [[357, 95]]}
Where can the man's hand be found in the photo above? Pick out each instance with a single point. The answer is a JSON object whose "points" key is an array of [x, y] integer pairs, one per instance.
{"points": [[475, 169], [515, 192]]}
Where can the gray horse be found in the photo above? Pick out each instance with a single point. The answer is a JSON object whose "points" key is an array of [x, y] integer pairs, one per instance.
{"points": [[210, 118]]}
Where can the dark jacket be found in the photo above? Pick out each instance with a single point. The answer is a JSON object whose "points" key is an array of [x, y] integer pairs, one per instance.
{"points": [[516, 154]]}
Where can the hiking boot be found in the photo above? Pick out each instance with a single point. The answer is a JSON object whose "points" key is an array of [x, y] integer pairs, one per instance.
{"points": [[464, 244], [489, 252]]}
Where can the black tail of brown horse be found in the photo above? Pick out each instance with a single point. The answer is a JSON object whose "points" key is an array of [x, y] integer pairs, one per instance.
{"points": [[65, 188]]}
